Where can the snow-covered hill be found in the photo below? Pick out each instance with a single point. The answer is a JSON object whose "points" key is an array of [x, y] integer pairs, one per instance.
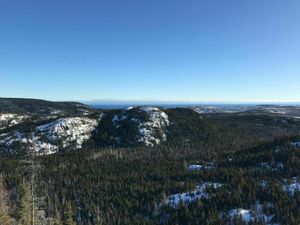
{"points": [[153, 130], [44, 126], [137, 125], [68, 130], [11, 119], [51, 126], [48, 127], [63, 133], [279, 110]]}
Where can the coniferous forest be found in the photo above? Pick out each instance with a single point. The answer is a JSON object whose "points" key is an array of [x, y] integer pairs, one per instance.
{"points": [[213, 169], [149, 112]]}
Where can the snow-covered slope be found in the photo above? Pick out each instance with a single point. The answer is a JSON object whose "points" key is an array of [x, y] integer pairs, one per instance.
{"points": [[45, 126], [139, 125], [292, 186], [279, 110], [11, 119], [252, 215], [48, 127], [200, 192], [68, 130], [152, 131], [48, 138], [16, 141]]}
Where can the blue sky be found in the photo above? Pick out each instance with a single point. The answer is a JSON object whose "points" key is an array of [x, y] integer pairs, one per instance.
{"points": [[169, 50]]}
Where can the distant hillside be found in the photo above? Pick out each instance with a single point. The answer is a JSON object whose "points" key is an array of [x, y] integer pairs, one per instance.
{"points": [[50, 127], [23, 105], [170, 166], [282, 110]]}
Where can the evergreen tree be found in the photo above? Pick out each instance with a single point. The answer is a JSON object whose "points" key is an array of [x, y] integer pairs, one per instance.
{"points": [[24, 210], [68, 215], [57, 219], [27, 207], [5, 218]]}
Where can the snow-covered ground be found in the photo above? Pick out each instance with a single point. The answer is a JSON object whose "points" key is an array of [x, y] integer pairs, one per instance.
{"points": [[46, 139], [254, 214], [283, 111], [194, 167], [274, 167], [20, 141], [206, 166], [151, 130], [264, 184], [200, 192], [292, 186], [11, 119], [117, 119], [214, 109], [68, 130], [295, 144], [158, 121]]}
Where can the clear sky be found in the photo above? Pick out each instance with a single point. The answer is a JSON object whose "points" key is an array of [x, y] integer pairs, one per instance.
{"points": [[177, 50]]}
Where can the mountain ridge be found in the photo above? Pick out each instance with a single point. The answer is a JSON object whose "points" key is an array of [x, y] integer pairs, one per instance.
{"points": [[50, 127]]}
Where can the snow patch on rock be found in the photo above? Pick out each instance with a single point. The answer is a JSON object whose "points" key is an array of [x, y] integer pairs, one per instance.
{"points": [[268, 166], [206, 166], [254, 214], [117, 119], [151, 123], [158, 121], [200, 192], [11, 119], [291, 187], [295, 144], [22, 141], [46, 139], [68, 130]]}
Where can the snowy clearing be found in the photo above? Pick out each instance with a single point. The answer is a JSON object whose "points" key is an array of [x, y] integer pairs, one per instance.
{"points": [[254, 214], [200, 192]]}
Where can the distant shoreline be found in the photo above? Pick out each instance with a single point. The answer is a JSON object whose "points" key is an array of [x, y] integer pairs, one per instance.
{"points": [[187, 105]]}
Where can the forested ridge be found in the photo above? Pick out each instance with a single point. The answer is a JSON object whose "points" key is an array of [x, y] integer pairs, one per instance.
{"points": [[253, 158]]}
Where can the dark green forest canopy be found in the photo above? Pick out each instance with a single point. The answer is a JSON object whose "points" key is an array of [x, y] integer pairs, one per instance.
{"points": [[128, 185]]}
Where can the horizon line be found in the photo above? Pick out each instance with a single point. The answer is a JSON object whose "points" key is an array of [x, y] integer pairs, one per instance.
{"points": [[154, 101], [172, 102]]}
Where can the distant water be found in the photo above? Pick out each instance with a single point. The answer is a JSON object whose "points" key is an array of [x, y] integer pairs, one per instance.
{"points": [[129, 105], [166, 106]]}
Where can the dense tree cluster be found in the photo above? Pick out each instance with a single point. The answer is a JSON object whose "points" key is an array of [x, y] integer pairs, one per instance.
{"points": [[98, 186]]}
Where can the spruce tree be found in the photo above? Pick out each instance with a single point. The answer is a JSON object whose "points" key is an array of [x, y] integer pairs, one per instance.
{"points": [[5, 218], [68, 215], [57, 219], [28, 192], [24, 210]]}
